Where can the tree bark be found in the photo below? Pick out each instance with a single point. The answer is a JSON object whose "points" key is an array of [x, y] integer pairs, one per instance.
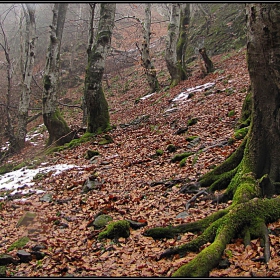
{"points": [[177, 42], [9, 65], [59, 132], [27, 72], [97, 107], [145, 52], [253, 168], [171, 43]]}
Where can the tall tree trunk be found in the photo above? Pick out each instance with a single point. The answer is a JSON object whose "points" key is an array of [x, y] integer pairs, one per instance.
{"points": [[171, 44], [27, 72], [177, 42], [59, 132], [90, 43], [251, 175], [9, 127], [145, 52], [183, 39], [263, 61], [97, 106]]}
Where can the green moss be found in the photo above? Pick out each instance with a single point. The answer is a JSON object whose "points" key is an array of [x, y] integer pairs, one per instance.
{"points": [[231, 113], [90, 154], [102, 220], [171, 148], [183, 162], [159, 152], [190, 138], [192, 121], [107, 139], [179, 157], [241, 133], [2, 271], [20, 243], [72, 144], [115, 230], [6, 168]]}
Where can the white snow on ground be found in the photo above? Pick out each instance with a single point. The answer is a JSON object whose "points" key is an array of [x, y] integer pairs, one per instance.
{"points": [[21, 180], [185, 94], [147, 96]]}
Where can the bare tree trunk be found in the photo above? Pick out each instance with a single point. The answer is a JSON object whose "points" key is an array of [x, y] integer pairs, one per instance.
{"points": [[97, 108], [90, 43], [59, 132], [9, 128], [177, 42], [171, 43], [27, 72], [145, 53]]}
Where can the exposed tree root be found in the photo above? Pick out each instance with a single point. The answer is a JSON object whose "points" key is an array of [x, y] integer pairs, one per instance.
{"points": [[220, 176], [172, 231], [267, 210]]}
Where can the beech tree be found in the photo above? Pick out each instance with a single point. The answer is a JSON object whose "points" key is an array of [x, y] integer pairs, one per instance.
{"points": [[28, 59], [97, 107], [150, 70], [177, 42], [250, 176], [59, 132]]}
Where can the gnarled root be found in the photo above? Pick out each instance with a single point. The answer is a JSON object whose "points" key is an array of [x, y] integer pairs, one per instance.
{"points": [[240, 215]]}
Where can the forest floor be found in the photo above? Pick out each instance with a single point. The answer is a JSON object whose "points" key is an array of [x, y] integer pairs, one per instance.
{"points": [[131, 178]]}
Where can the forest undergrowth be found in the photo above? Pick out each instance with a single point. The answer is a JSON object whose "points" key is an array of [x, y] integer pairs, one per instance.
{"points": [[133, 174]]}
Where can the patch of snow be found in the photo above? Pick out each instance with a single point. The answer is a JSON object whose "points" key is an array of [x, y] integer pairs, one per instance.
{"points": [[22, 179], [185, 94], [147, 96]]}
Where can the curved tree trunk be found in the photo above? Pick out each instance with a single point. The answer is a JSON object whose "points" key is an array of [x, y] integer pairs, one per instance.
{"points": [[59, 132], [27, 72], [252, 171], [97, 107]]}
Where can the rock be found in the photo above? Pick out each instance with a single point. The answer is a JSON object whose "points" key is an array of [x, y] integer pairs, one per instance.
{"points": [[38, 255], [224, 264], [24, 256], [182, 215], [182, 130], [38, 247], [115, 230], [136, 225], [193, 143], [26, 219], [46, 197], [6, 259], [90, 154], [101, 221], [90, 185]]}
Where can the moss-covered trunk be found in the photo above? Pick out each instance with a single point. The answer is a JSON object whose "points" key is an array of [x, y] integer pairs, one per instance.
{"points": [[251, 174], [97, 107], [176, 43], [59, 132]]}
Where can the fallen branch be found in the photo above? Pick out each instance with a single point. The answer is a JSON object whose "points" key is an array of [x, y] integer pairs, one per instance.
{"points": [[189, 202]]}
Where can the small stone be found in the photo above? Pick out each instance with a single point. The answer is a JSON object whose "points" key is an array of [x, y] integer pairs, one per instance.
{"points": [[24, 256], [26, 219], [101, 221], [6, 259], [38, 255], [46, 198]]}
